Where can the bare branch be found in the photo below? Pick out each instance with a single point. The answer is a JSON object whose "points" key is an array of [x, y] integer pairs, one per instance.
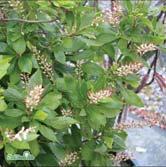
{"points": [[29, 21]]}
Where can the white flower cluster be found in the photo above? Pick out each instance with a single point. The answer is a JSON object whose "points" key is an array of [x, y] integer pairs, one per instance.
{"points": [[34, 96], [21, 135], [144, 48], [95, 97], [16, 5], [66, 112], [44, 64], [127, 69], [69, 159]]}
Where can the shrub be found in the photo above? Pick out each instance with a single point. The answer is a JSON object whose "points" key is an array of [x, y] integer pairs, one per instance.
{"points": [[59, 101]]}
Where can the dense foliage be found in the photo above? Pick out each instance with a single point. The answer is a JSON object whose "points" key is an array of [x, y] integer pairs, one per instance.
{"points": [[58, 101]]}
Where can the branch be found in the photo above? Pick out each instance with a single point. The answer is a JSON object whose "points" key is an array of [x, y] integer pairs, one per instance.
{"points": [[29, 21], [145, 78], [154, 64]]}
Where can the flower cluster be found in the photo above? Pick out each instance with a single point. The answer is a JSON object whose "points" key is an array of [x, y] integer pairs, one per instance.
{"points": [[34, 96], [24, 78], [78, 69], [127, 69], [142, 49], [121, 156], [16, 5], [69, 159], [95, 97], [44, 64], [66, 112], [113, 15], [21, 135], [97, 20]]}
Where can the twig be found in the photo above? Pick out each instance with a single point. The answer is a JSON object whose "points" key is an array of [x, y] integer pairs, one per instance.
{"points": [[145, 78], [29, 21], [154, 71]]}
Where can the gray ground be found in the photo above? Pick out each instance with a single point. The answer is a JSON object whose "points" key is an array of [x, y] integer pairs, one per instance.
{"points": [[153, 143]]}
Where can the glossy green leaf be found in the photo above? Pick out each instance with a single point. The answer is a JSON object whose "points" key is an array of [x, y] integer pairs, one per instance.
{"points": [[131, 97], [19, 46], [60, 56], [108, 141], [40, 115], [47, 133], [52, 100], [34, 147], [20, 145], [3, 105], [14, 112], [25, 63], [35, 79], [61, 122], [4, 65]]}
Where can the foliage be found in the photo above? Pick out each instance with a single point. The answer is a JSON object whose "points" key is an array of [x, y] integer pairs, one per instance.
{"points": [[52, 78]]}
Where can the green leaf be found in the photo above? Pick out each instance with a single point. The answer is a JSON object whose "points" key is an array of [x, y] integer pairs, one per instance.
{"points": [[3, 47], [109, 49], [57, 149], [20, 145], [101, 148], [96, 118], [128, 4], [51, 101], [118, 143], [47, 133], [9, 122], [61, 122], [25, 63], [3, 105], [133, 80], [73, 140], [105, 38], [9, 149], [13, 94], [35, 79], [87, 151], [108, 141], [65, 4], [14, 112], [34, 147], [67, 42], [19, 46], [47, 159], [131, 97], [4, 64], [40, 115], [60, 56]]}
